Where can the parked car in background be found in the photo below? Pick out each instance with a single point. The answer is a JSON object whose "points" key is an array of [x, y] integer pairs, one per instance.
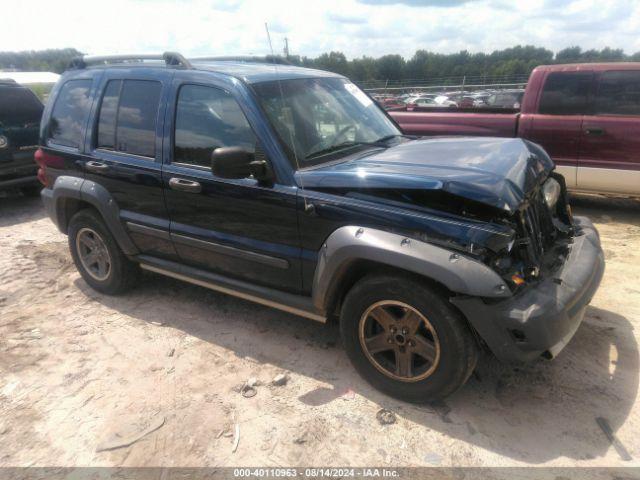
{"points": [[586, 116], [480, 98], [445, 101], [421, 102], [390, 102], [505, 99], [20, 113], [290, 187], [463, 101]]}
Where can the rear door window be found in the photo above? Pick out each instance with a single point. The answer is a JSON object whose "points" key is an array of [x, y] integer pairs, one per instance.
{"points": [[618, 93], [70, 113], [566, 93], [128, 117]]}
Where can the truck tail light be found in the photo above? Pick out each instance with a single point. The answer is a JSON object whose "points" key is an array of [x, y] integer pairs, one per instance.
{"points": [[44, 160]]}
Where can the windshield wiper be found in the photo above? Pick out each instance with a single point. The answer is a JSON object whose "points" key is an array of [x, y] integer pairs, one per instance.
{"points": [[339, 146], [390, 137], [381, 142]]}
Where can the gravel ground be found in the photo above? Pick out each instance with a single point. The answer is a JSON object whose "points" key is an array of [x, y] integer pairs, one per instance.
{"points": [[81, 373]]}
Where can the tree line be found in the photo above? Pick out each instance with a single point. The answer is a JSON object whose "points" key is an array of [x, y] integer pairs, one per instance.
{"points": [[52, 60], [424, 64]]}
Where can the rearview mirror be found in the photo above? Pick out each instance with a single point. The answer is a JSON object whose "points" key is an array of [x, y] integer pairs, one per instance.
{"points": [[236, 162]]}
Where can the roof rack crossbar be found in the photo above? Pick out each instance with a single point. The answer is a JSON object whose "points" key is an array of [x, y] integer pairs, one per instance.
{"points": [[171, 59]]}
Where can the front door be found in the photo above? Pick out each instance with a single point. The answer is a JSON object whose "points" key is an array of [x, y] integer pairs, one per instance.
{"points": [[610, 151], [557, 126], [238, 228]]}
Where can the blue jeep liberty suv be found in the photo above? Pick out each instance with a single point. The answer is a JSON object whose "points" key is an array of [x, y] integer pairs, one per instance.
{"points": [[290, 187]]}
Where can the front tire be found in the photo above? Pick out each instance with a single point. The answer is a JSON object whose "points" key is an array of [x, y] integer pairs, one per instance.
{"points": [[406, 339], [97, 255]]}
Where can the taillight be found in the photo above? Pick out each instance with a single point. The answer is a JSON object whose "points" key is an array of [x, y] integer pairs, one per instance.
{"points": [[44, 160]]}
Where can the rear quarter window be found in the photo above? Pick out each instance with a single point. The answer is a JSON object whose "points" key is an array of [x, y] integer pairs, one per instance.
{"points": [[69, 114], [618, 93]]}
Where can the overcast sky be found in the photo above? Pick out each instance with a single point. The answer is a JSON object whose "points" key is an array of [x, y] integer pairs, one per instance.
{"points": [[355, 27]]}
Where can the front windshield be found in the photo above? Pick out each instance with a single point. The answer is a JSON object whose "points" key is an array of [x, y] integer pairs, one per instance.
{"points": [[321, 119]]}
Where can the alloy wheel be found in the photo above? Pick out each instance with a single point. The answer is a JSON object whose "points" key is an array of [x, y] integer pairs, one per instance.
{"points": [[93, 253], [399, 341]]}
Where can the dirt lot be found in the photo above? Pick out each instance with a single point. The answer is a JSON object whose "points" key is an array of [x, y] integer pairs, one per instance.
{"points": [[79, 369]]}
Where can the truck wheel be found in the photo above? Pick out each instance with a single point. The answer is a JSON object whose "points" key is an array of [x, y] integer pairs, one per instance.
{"points": [[97, 255], [405, 339]]}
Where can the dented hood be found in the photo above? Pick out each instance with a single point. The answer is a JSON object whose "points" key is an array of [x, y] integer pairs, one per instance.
{"points": [[494, 171]]}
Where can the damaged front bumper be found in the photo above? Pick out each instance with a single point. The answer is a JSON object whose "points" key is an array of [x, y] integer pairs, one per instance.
{"points": [[541, 320]]}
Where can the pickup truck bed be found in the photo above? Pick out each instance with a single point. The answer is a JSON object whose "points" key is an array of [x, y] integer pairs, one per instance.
{"points": [[457, 123]]}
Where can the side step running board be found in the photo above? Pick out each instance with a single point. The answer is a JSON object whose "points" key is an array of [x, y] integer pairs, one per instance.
{"points": [[288, 302]]}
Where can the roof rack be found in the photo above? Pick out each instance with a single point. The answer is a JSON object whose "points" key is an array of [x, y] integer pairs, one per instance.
{"points": [[245, 58], [171, 59]]}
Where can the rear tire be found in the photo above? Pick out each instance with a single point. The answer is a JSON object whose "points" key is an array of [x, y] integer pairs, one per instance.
{"points": [[406, 339], [98, 257]]}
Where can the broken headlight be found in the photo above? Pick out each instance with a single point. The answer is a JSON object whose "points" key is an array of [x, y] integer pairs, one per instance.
{"points": [[551, 191]]}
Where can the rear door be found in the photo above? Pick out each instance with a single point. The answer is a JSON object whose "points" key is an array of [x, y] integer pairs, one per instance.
{"points": [[237, 227], [124, 153], [557, 126], [609, 159]]}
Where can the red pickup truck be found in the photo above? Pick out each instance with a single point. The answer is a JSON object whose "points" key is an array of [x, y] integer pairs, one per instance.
{"points": [[586, 116]]}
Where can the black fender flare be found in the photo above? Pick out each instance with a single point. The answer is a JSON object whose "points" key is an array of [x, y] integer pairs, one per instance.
{"points": [[460, 273], [68, 187]]}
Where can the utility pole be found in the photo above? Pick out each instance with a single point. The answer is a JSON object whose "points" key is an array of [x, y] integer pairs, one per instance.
{"points": [[286, 47]]}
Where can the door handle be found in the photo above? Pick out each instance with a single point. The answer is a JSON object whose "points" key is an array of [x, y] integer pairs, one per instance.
{"points": [[185, 185], [96, 167], [594, 131]]}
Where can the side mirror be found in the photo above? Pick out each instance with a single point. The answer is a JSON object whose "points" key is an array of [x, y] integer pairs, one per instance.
{"points": [[236, 162]]}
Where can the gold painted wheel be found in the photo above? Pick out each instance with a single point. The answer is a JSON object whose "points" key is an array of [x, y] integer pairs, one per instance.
{"points": [[399, 341]]}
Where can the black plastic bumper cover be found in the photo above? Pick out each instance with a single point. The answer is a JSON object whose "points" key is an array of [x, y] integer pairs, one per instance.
{"points": [[542, 319]]}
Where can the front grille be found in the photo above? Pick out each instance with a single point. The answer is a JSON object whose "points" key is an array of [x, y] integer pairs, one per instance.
{"points": [[538, 228]]}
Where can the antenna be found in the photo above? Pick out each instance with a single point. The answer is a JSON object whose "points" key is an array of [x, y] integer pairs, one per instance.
{"points": [[282, 106], [286, 47]]}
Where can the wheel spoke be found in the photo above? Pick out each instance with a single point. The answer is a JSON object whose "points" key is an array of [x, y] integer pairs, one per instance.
{"points": [[383, 317], [404, 363], [411, 320], [91, 257], [102, 267], [424, 348], [378, 343], [88, 243]]}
